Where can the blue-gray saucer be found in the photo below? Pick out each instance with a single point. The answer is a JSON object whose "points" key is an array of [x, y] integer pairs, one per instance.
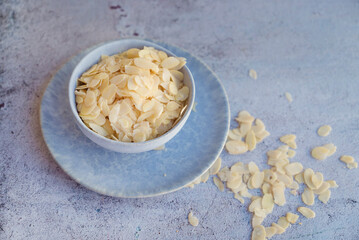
{"points": [[189, 154]]}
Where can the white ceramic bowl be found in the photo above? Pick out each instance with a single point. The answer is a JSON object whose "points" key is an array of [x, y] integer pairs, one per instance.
{"points": [[112, 48]]}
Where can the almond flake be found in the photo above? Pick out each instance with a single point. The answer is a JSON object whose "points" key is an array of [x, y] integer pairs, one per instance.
{"points": [[306, 212]]}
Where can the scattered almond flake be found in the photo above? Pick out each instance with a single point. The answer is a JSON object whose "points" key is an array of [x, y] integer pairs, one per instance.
{"points": [[320, 153], [251, 140], [236, 147], [256, 221], [126, 95], [218, 183], [352, 165], [244, 117], [232, 135], [293, 168], [347, 159], [278, 193], [291, 153], [289, 97], [283, 222], [299, 178], [291, 217], [289, 140], [307, 176], [165, 175], [324, 196], [194, 107], [192, 219], [252, 74], [279, 229], [252, 167], [267, 201], [308, 197], [306, 212], [331, 147], [257, 179], [332, 183], [270, 231], [259, 233], [205, 176], [223, 174], [160, 148], [294, 185], [324, 130], [255, 204], [317, 180], [216, 166], [325, 186]]}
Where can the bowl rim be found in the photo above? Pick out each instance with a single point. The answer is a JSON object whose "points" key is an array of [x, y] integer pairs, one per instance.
{"points": [[138, 144]]}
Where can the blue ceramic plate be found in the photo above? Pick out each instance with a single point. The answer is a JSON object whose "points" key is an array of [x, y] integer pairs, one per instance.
{"points": [[189, 154]]}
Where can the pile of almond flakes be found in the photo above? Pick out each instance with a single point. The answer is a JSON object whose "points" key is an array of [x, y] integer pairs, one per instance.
{"points": [[272, 182], [132, 96]]}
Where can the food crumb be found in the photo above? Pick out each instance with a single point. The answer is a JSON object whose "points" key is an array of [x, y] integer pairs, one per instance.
{"points": [[289, 97], [253, 74], [164, 174], [194, 107], [160, 148]]}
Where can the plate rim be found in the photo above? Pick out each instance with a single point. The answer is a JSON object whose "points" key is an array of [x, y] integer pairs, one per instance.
{"points": [[99, 191]]}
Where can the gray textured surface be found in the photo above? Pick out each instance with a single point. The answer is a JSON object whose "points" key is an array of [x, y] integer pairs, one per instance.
{"points": [[308, 48]]}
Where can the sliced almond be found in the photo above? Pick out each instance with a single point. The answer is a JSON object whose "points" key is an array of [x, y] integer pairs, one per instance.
{"points": [[256, 221], [192, 219], [331, 147], [253, 168], [218, 183], [320, 153], [291, 217], [270, 231], [293, 168], [267, 201], [215, 167], [251, 140], [283, 222], [324, 196], [347, 159], [317, 179], [257, 179], [236, 147], [324, 130], [307, 176], [308, 197], [306, 212], [352, 165], [259, 233], [279, 229], [278, 194], [332, 183], [299, 178], [287, 138]]}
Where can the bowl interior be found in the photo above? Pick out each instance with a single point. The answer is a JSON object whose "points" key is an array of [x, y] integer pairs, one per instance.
{"points": [[112, 48]]}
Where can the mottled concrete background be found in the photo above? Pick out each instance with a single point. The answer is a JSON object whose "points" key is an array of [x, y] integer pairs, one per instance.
{"points": [[308, 48]]}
